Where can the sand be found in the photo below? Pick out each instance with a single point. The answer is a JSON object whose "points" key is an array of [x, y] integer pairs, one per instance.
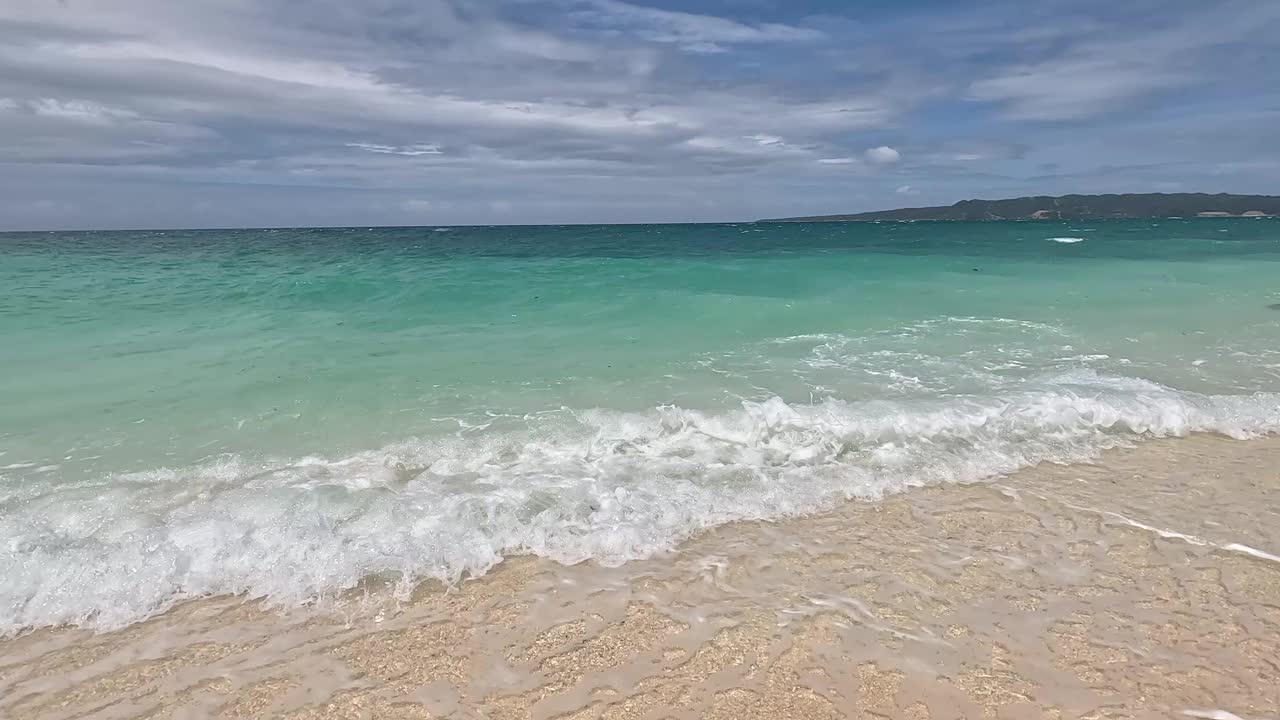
{"points": [[1143, 586]]}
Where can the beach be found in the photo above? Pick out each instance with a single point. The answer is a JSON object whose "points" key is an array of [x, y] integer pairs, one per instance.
{"points": [[1139, 586], [800, 470]]}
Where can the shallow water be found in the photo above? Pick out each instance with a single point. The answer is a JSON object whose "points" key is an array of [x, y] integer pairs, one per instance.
{"points": [[283, 413], [1128, 588]]}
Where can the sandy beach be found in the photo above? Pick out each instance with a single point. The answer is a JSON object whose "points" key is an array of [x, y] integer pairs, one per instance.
{"points": [[1141, 586]]}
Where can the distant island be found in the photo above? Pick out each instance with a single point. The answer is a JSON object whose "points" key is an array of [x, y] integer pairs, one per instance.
{"points": [[1075, 207]]}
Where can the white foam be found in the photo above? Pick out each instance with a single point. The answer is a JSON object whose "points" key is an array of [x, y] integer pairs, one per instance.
{"points": [[1252, 552], [1174, 534], [1212, 714], [600, 485], [1067, 239]]}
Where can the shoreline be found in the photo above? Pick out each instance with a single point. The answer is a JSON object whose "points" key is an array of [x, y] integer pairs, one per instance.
{"points": [[1123, 588]]}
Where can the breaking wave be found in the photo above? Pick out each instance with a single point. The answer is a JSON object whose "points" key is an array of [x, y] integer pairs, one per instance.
{"points": [[581, 485]]}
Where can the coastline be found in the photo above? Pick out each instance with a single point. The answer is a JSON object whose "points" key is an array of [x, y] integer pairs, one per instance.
{"points": [[1144, 585]]}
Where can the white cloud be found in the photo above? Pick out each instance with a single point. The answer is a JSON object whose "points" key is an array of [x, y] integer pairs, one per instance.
{"points": [[776, 143], [406, 150], [883, 155], [1074, 88], [758, 146], [78, 110], [480, 84], [837, 161], [692, 32], [543, 45], [704, 48], [907, 190], [1107, 72]]}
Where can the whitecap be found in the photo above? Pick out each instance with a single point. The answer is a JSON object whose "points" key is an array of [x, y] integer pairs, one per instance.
{"points": [[597, 485], [1067, 239]]}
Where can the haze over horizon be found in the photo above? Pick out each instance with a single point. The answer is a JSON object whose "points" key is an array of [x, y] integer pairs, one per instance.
{"points": [[142, 113]]}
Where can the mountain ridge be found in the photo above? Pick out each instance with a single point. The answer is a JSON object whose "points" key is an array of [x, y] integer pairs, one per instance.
{"points": [[1073, 207]]}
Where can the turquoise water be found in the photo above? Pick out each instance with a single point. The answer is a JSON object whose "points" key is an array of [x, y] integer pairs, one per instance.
{"points": [[284, 412]]}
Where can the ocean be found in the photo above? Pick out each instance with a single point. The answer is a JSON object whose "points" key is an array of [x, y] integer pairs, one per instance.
{"points": [[282, 414]]}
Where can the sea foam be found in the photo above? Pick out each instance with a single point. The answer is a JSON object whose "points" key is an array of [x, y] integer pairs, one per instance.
{"points": [[587, 485]]}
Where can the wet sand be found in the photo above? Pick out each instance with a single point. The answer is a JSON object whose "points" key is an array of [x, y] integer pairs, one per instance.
{"points": [[1142, 586]]}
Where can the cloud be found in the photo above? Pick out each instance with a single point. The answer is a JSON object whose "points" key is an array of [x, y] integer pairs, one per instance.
{"points": [[774, 143], [1112, 69], [73, 130], [49, 207], [78, 110], [417, 205], [1073, 88], [882, 155], [316, 111], [703, 34], [407, 150], [907, 190]]}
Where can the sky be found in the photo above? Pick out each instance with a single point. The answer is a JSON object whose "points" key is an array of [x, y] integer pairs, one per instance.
{"points": [[243, 113]]}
